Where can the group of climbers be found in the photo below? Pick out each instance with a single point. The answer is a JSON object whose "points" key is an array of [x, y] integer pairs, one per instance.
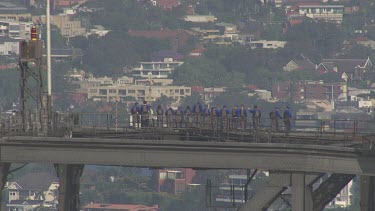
{"points": [[200, 116]]}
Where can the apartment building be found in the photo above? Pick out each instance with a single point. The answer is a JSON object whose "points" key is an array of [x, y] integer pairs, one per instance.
{"points": [[68, 25], [306, 90], [15, 29], [125, 89]]}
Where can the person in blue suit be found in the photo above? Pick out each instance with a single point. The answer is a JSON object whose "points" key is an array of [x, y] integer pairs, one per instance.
{"points": [[169, 116], [224, 114], [160, 116], [145, 114], [197, 110], [215, 113], [206, 119], [275, 116], [287, 119], [242, 115], [135, 111], [179, 115], [256, 116], [234, 117], [188, 118]]}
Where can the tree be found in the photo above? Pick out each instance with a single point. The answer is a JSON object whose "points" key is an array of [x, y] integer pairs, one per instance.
{"points": [[205, 72], [315, 39], [107, 56]]}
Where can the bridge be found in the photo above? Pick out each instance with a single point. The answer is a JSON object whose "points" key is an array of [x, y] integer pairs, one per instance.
{"points": [[296, 159]]}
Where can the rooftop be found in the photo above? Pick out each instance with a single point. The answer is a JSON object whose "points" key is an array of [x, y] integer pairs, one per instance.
{"points": [[321, 6], [36, 181]]}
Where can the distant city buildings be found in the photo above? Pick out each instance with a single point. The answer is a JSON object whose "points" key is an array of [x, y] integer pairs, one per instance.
{"points": [[9, 11]]}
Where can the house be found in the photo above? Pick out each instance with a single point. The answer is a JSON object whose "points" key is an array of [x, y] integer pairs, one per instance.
{"points": [[298, 64], [309, 90], [348, 69], [263, 94], [174, 181], [364, 41], [31, 191], [200, 18], [197, 52], [268, 44], [24, 205], [98, 30], [119, 207], [226, 28], [165, 4]]}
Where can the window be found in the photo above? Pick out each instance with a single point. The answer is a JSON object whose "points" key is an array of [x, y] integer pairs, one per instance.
{"points": [[131, 91], [93, 90], [112, 91], [187, 90], [122, 92], [102, 91], [176, 91], [163, 175]]}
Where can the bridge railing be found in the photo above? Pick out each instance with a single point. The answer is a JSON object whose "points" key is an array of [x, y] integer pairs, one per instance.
{"points": [[58, 125], [111, 121]]}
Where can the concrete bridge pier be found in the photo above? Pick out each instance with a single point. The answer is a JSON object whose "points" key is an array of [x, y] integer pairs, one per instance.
{"points": [[69, 179], [367, 193], [4, 171]]}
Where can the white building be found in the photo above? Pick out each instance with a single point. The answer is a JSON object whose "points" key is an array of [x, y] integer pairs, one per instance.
{"points": [[270, 44], [156, 69], [123, 89], [329, 13], [9, 46], [15, 29], [200, 18], [263, 94]]}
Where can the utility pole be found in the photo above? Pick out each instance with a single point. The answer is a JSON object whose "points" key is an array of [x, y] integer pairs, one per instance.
{"points": [[49, 77]]}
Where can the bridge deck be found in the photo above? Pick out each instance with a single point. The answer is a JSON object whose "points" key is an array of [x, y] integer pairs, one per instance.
{"points": [[173, 153]]}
